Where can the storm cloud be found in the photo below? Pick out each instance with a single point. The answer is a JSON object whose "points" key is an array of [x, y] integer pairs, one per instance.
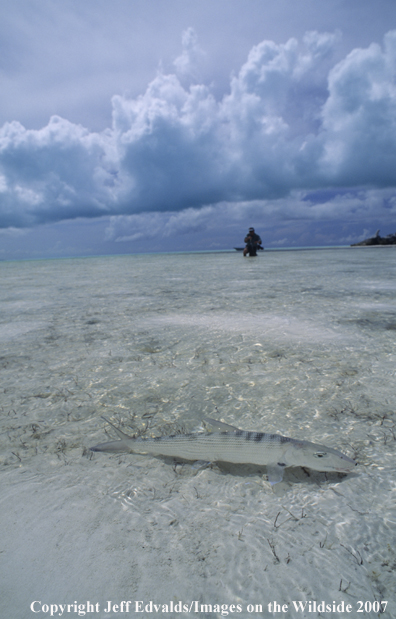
{"points": [[292, 122]]}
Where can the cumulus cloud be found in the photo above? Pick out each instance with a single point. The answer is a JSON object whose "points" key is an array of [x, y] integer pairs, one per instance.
{"points": [[359, 117], [290, 123], [188, 63], [59, 172]]}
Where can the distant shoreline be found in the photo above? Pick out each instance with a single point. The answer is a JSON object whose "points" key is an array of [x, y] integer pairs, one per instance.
{"points": [[377, 241]]}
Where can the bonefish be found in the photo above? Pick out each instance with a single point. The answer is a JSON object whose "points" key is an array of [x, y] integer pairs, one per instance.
{"points": [[230, 444]]}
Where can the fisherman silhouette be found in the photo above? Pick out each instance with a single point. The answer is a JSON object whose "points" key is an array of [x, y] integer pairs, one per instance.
{"points": [[253, 243]]}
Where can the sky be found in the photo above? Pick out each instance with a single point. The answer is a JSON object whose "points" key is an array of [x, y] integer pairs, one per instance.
{"points": [[173, 125]]}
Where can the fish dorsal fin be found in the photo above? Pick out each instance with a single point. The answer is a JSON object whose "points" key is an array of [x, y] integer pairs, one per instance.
{"points": [[121, 434], [219, 425]]}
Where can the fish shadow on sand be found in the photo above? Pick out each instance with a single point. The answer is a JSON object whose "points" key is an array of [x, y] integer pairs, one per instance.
{"points": [[292, 475]]}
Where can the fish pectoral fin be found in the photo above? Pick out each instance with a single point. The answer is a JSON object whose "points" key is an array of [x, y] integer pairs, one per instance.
{"points": [[275, 473], [199, 465], [219, 425]]}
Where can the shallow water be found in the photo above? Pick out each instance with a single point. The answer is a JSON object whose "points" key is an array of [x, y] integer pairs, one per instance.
{"points": [[300, 343]]}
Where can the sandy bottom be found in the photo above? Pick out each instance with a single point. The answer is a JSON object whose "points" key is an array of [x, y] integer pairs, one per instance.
{"points": [[159, 344]]}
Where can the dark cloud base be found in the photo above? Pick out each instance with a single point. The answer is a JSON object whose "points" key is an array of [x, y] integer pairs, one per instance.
{"points": [[92, 237]]}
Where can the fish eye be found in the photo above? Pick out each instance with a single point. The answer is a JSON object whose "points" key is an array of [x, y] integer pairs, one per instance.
{"points": [[320, 454]]}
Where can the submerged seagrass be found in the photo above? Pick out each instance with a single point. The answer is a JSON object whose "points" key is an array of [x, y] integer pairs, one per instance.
{"points": [[231, 444]]}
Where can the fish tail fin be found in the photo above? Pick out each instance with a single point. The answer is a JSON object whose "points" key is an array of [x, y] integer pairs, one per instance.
{"points": [[115, 446], [112, 447], [119, 433]]}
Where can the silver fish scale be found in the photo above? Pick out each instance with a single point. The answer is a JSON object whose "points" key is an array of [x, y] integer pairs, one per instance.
{"points": [[238, 447]]}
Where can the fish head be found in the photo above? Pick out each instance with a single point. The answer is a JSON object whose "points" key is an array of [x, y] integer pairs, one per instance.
{"points": [[318, 457]]}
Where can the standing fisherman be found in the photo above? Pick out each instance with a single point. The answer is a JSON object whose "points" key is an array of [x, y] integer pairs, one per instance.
{"points": [[253, 243]]}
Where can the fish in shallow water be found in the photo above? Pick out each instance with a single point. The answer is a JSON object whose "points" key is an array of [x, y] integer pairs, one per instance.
{"points": [[229, 444]]}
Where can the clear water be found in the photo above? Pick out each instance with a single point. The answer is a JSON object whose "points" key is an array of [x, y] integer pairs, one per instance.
{"points": [[299, 343]]}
